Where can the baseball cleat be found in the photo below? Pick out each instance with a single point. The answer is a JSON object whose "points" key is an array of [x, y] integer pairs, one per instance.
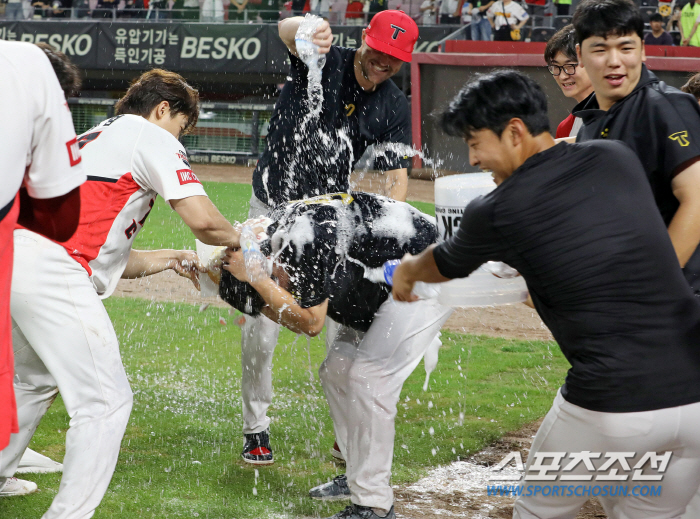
{"points": [[257, 448], [17, 487], [35, 463], [362, 512], [336, 490], [335, 452]]}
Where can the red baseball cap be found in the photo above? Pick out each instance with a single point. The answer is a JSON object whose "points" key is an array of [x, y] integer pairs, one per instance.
{"points": [[393, 33]]}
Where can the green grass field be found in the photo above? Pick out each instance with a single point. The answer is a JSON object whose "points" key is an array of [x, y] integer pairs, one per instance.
{"points": [[180, 454]]}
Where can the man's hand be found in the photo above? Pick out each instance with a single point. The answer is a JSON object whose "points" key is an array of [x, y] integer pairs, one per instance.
{"points": [[187, 265], [287, 30], [415, 268], [235, 264], [144, 263], [403, 281], [323, 37]]}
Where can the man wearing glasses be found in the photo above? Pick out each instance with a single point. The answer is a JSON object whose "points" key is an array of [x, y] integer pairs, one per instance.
{"points": [[659, 123], [562, 62]]}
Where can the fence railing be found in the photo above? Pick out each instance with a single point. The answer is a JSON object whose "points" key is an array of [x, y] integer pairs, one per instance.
{"points": [[225, 132]]}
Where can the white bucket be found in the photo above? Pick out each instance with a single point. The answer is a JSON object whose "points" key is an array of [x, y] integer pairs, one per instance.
{"points": [[206, 254], [481, 288]]}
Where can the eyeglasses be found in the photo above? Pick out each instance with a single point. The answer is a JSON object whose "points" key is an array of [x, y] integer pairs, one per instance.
{"points": [[569, 68]]}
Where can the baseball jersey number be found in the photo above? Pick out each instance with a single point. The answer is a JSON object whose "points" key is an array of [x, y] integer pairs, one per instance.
{"points": [[87, 138], [131, 230]]}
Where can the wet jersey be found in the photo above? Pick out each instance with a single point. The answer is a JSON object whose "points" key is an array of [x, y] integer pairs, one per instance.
{"points": [[326, 242], [129, 161], [306, 156], [579, 222]]}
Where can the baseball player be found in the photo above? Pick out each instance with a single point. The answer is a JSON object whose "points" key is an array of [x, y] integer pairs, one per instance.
{"points": [[63, 338], [360, 107], [39, 150], [580, 224], [322, 249], [69, 78]]}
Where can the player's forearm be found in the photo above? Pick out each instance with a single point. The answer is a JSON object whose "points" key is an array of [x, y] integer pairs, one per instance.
{"points": [[148, 262], [283, 309], [684, 231], [422, 267], [397, 184], [206, 222], [287, 30], [413, 269], [684, 228]]}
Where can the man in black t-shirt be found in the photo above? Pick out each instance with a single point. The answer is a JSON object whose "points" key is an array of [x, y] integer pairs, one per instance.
{"points": [[579, 222], [323, 248], [311, 154], [658, 122]]}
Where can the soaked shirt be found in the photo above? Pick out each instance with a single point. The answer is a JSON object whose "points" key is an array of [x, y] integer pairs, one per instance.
{"points": [[326, 242], [580, 224], [306, 157], [661, 125]]}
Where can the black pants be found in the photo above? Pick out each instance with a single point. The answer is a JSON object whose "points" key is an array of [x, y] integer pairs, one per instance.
{"points": [[448, 19], [563, 9], [502, 34]]}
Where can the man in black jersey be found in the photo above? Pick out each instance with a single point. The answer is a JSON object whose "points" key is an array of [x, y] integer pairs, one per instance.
{"points": [[658, 122], [324, 248], [311, 155], [580, 224]]}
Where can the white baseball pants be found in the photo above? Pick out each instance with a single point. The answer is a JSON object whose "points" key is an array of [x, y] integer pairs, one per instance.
{"points": [[362, 378], [258, 340], [570, 428], [64, 341]]}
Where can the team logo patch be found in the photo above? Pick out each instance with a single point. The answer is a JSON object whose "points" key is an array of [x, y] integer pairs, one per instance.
{"points": [[183, 158], [681, 138], [349, 109], [397, 30], [185, 176], [73, 152]]}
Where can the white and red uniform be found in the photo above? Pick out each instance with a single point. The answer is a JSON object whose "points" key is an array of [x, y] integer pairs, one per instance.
{"points": [[569, 127], [38, 148], [63, 337]]}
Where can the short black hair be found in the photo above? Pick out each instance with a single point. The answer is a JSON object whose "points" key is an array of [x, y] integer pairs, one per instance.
{"points": [[69, 76], [607, 18], [490, 101], [240, 295], [564, 41], [656, 17]]}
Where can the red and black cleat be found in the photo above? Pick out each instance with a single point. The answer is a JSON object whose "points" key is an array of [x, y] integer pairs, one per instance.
{"points": [[257, 448]]}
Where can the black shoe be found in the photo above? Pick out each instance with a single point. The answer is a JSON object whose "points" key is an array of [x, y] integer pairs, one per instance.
{"points": [[336, 490], [362, 512], [257, 448]]}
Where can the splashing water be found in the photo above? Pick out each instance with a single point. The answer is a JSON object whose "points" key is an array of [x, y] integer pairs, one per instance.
{"points": [[387, 149]]}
